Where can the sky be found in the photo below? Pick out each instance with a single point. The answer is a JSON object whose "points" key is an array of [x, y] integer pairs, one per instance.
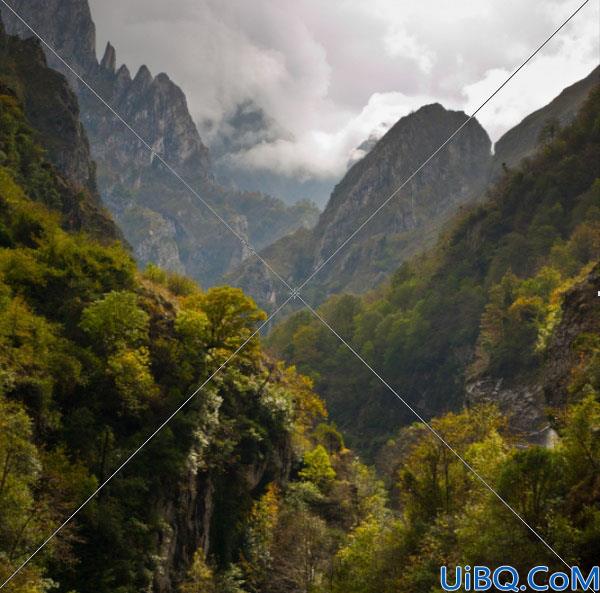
{"points": [[333, 71]]}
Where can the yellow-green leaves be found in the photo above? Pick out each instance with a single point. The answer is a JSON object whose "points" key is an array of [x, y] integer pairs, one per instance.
{"points": [[116, 321]]}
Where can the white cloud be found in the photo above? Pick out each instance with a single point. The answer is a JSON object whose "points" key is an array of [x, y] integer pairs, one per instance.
{"points": [[331, 72], [325, 154]]}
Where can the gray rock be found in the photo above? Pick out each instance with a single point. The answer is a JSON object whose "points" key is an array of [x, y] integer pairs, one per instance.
{"points": [[130, 172]]}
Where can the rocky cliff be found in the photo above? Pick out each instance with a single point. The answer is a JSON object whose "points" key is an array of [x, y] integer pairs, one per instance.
{"points": [[407, 224], [51, 108], [528, 403], [161, 219]]}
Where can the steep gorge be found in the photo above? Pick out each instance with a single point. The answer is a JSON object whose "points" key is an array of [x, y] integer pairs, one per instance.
{"points": [[161, 219]]}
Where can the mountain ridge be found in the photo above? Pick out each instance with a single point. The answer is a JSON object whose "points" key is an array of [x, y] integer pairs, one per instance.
{"points": [[41, 92], [410, 221], [382, 247], [141, 194]]}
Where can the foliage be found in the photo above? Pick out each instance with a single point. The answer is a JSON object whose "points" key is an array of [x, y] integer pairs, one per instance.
{"points": [[317, 467], [93, 357], [483, 302]]}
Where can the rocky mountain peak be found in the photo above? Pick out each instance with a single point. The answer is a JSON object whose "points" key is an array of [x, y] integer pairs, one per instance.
{"points": [[109, 59], [410, 221], [123, 76], [143, 78], [163, 222], [453, 177], [55, 20]]}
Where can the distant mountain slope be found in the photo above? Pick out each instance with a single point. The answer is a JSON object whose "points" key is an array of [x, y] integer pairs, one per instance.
{"points": [[247, 128], [160, 218], [411, 221], [522, 140], [506, 304], [408, 223], [51, 108]]}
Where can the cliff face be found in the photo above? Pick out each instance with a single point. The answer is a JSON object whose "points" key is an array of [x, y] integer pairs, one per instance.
{"points": [[453, 178], [410, 221], [580, 318], [163, 222], [526, 403], [52, 110]]}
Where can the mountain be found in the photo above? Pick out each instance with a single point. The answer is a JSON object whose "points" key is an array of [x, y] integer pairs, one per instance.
{"points": [[42, 91], [410, 221], [541, 125], [162, 221], [504, 308], [247, 128], [94, 355], [364, 148]]}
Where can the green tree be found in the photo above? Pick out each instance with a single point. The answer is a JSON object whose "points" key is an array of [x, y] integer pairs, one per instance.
{"points": [[317, 468], [200, 577], [116, 321]]}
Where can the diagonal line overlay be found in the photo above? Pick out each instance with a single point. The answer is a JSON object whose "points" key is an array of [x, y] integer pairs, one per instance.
{"points": [[293, 292], [436, 151], [434, 432], [145, 442], [157, 156]]}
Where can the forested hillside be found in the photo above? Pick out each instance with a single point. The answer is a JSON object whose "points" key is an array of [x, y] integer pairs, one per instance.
{"points": [[93, 356], [482, 303]]}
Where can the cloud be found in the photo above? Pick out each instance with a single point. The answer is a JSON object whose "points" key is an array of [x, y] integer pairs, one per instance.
{"points": [[322, 154], [332, 72]]}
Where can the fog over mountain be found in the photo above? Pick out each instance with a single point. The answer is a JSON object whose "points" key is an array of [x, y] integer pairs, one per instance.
{"points": [[328, 74]]}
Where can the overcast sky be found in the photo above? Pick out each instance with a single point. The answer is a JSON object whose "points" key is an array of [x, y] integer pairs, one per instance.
{"points": [[331, 71]]}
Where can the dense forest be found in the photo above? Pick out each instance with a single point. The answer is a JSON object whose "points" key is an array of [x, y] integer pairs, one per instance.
{"points": [[94, 355], [483, 303], [251, 488]]}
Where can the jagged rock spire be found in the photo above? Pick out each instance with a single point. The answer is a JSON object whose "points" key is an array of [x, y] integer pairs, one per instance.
{"points": [[109, 60]]}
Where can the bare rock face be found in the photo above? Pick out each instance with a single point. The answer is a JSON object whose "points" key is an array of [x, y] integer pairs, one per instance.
{"points": [[580, 317], [130, 176], [523, 406], [526, 404], [51, 108], [452, 178], [407, 224]]}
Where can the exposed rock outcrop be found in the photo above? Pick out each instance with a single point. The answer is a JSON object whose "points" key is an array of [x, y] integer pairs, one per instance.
{"points": [[408, 223], [129, 177], [526, 404], [51, 108], [580, 317]]}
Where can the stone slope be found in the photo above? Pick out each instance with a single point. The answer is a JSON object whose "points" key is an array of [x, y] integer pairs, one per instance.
{"points": [[51, 108], [522, 140], [161, 219], [407, 224]]}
